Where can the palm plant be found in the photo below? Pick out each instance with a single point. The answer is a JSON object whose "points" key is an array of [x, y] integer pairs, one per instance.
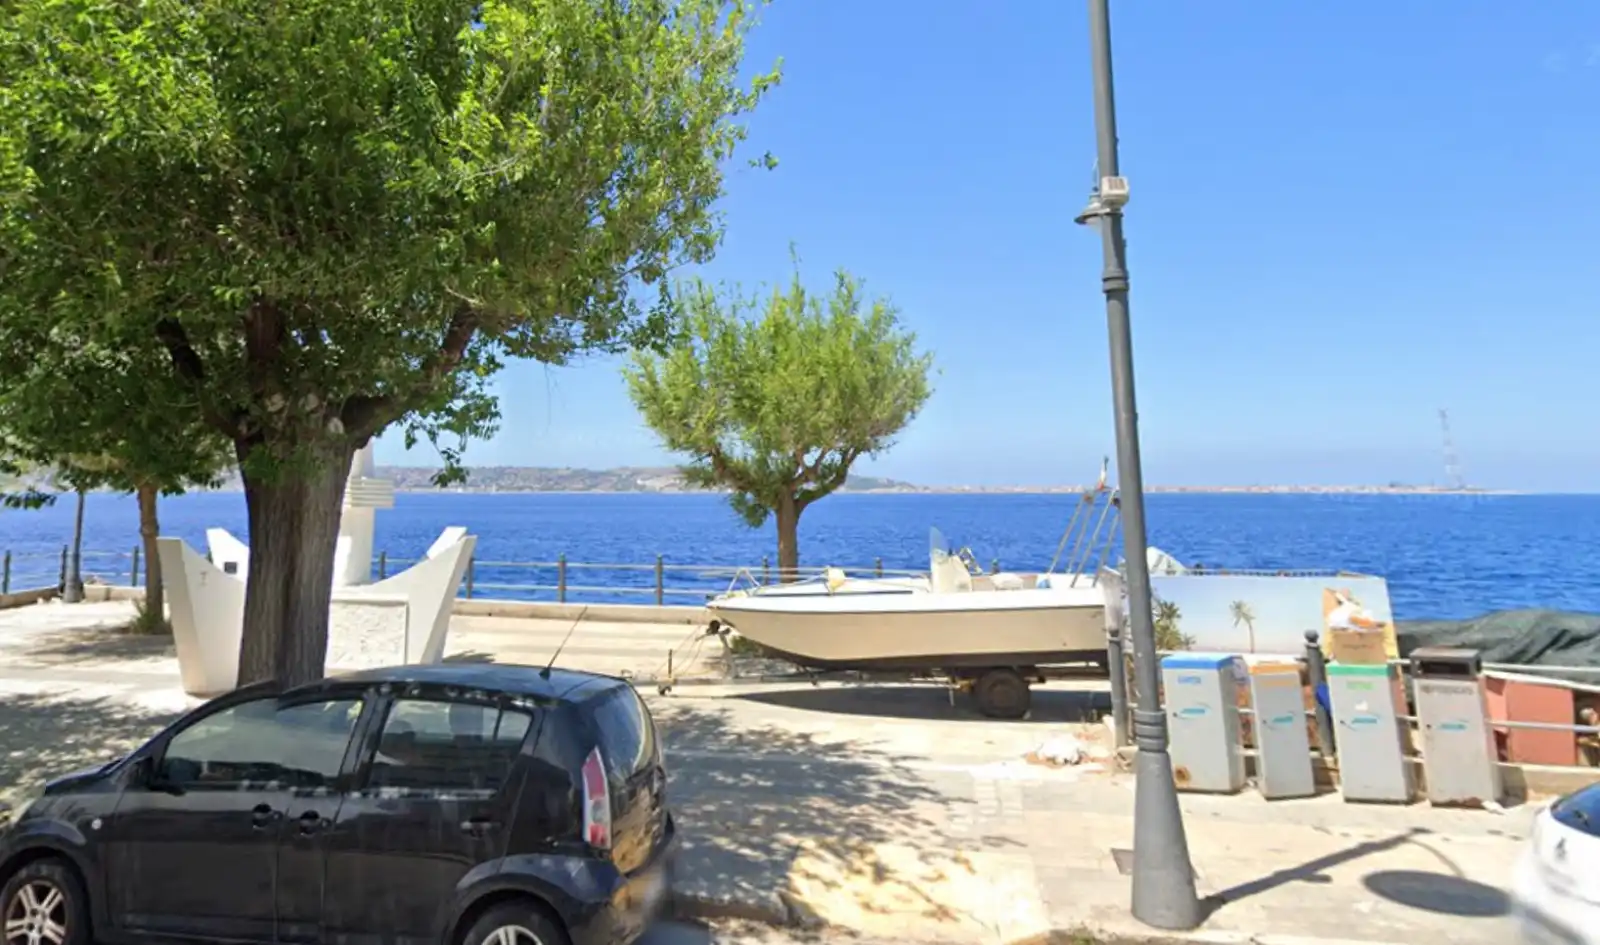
{"points": [[1168, 634], [1242, 613]]}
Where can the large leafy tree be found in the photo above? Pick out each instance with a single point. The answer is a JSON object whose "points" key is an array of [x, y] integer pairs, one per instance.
{"points": [[774, 397], [332, 216], [104, 420]]}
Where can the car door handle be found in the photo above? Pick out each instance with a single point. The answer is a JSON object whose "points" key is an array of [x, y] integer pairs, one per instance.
{"points": [[478, 826], [262, 816]]}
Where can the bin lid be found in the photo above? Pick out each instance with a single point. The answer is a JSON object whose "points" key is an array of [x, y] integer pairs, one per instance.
{"points": [[1358, 669], [1198, 661]]}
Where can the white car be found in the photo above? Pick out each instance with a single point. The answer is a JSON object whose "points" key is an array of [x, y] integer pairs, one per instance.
{"points": [[1557, 886]]}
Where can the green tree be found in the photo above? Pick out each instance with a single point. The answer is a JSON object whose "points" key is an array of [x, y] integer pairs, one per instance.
{"points": [[1168, 619], [774, 398], [18, 479], [71, 411], [334, 216]]}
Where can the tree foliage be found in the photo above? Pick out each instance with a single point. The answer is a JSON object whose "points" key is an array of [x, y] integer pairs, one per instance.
{"points": [[102, 418], [775, 397], [324, 217]]}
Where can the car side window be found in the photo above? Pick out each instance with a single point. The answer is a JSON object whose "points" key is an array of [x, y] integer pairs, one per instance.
{"points": [[263, 744], [434, 746]]}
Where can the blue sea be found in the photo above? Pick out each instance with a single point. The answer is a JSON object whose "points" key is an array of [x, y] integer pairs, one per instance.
{"points": [[1444, 556]]}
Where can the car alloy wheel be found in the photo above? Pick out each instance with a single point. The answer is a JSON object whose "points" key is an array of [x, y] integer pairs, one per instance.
{"points": [[513, 935], [37, 915]]}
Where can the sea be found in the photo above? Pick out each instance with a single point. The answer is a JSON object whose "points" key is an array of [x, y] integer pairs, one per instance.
{"points": [[1444, 556]]}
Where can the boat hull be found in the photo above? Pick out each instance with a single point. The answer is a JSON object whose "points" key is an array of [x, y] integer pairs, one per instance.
{"points": [[854, 635]]}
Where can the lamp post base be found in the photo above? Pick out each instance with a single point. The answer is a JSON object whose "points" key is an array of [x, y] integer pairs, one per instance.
{"points": [[1163, 877]]}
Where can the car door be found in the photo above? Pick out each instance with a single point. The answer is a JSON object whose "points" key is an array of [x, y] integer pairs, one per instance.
{"points": [[192, 848], [432, 803]]}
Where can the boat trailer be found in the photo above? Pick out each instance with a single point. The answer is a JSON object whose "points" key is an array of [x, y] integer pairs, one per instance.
{"points": [[999, 692]]}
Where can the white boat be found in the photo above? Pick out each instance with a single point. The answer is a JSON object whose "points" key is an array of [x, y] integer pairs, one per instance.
{"points": [[951, 621]]}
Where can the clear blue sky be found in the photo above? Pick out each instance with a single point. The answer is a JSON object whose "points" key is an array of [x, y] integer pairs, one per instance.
{"points": [[1344, 216]]}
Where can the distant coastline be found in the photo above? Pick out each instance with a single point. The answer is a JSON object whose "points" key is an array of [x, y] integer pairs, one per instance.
{"points": [[667, 480]]}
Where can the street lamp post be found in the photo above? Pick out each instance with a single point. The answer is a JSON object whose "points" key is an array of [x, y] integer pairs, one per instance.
{"points": [[1163, 878]]}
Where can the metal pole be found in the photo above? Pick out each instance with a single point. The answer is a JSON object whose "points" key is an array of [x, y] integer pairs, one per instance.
{"points": [[1163, 878], [1317, 676]]}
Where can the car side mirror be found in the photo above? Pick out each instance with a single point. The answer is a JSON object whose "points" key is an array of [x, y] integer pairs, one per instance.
{"points": [[150, 775]]}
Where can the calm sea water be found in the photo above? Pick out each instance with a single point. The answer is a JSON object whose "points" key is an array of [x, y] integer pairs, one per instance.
{"points": [[1444, 556]]}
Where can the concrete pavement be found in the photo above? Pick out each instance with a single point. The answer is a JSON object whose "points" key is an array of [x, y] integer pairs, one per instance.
{"points": [[886, 811]]}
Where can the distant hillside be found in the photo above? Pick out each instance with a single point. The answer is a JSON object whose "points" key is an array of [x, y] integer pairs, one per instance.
{"points": [[567, 479]]}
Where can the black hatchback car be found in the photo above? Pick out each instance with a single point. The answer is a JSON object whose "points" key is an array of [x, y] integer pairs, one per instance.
{"points": [[456, 804]]}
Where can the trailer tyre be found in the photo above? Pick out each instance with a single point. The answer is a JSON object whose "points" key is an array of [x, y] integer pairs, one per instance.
{"points": [[1002, 694]]}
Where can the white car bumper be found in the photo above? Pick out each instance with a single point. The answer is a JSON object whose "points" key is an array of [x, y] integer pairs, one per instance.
{"points": [[1547, 914]]}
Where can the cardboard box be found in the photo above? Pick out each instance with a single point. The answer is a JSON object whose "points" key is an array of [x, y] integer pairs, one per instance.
{"points": [[1358, 647]]}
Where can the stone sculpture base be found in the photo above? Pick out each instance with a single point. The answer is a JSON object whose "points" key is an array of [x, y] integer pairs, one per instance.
{"points": [[401, 619]]}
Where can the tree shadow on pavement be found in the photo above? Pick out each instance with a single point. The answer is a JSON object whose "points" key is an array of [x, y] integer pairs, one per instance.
{"points": [[99, 645], [45, 736], [773, 817]]}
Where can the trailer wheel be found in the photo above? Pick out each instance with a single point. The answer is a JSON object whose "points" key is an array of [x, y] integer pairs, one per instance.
{"points": [[1002, 694]]}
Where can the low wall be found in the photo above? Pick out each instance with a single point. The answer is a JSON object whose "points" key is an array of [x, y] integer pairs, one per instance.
{"points": [[615, 613], [24, 598], [461, 607]]}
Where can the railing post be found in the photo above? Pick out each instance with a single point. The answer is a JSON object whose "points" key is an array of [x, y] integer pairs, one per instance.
{"points": [[1317, 675], [471, 573], [5, 574], [766, 570], [133, 572], [1117, 663], [383, 565], [879, 568], [661, 584], [561, 579]]}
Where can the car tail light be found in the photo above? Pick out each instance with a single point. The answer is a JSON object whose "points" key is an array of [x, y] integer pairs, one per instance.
{"points": [[596, 802]]}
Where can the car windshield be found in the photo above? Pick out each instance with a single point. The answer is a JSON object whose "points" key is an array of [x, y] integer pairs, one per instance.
{"points": [[1580, 810]]}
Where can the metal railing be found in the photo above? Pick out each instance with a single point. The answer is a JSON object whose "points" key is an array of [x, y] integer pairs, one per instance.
{"points": [[563, 580], [36, 570], [660, 582]]}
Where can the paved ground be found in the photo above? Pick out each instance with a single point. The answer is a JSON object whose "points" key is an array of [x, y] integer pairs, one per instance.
{"points": [[886, 811]]}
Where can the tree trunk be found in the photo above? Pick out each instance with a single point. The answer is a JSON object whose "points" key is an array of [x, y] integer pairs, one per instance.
{"points": [[155, 593], [788, 515], [72, 593], [294, 526]]}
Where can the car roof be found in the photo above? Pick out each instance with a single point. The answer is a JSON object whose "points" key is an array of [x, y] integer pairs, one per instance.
{"points": [[559, 685]]}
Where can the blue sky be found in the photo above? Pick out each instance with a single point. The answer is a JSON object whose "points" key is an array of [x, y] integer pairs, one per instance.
{"points": [[1344, 216]]}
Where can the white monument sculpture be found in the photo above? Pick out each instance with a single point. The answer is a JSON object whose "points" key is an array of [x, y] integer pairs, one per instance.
{"points": [[400, 619]]}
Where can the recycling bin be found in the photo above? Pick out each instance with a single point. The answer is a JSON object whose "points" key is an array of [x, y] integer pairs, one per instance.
{"points": [[1283, 747], [1459, 760], [1202, 704], [1368, 730]]}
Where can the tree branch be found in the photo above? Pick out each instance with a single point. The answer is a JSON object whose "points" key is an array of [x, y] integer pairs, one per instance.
{"points": [[362, 415], [187, 365]]}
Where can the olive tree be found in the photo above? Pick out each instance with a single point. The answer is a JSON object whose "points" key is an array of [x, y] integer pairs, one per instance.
{"points": [[774, 396], [331, 217]]}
